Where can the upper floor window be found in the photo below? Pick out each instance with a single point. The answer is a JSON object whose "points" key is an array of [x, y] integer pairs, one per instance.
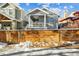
{"points": [[8, 11], [17, 14]]}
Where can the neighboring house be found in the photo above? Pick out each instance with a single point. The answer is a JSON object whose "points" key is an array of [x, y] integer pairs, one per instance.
{"points": [[11, 19], [72, 21], [42, 19], [11, 16], [69, 22]]}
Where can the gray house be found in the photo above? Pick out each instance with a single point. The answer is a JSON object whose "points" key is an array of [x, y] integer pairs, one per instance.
{"points": [[42, 19]]}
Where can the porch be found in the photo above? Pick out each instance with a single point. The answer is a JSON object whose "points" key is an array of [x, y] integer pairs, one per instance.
{"points": [[42, 21]]}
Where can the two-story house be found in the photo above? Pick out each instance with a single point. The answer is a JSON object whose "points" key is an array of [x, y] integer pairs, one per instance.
{"points": [[11, 16]]}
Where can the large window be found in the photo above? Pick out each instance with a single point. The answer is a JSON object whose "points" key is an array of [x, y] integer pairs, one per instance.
{"points": [[17, 14], [8, 11], [37, 21], [5, 25], [51, 22], [19, 25], [12, 12]]}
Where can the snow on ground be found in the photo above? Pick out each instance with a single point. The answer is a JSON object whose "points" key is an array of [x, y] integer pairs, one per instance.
{"points": [[2, 44], [23, 50], [14, 48], [40, 52]]}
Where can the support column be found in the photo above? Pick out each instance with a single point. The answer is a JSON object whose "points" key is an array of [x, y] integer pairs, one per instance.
{"points": [[13, 25], [45, 21], [29, 21], [22, 16]]}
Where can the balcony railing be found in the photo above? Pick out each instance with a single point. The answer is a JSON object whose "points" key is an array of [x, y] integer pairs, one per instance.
{"points": [[38, 24]]}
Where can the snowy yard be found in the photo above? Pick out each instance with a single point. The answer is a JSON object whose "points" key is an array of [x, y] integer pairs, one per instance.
{"points": [[23, 50], [18, 51]]}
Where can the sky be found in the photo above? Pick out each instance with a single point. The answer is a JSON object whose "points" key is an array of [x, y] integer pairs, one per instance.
{"points": [[56, 7]]}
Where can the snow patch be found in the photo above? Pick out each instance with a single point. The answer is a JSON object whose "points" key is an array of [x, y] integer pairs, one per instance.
{"points": [[2, 44]]}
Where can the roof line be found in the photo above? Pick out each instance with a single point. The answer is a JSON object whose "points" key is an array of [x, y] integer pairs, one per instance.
{"points": [[38, 9], [51, 11]]}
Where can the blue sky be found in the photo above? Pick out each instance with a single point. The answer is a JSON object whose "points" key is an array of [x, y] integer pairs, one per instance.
{"points": [[53, 6]]}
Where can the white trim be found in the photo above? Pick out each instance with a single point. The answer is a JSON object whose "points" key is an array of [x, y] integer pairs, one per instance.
{"points": [[50, 10], [15, 4], [39, 27], [37, 9], [21, 15], [37, 14], [44, 21], [29, 20]]}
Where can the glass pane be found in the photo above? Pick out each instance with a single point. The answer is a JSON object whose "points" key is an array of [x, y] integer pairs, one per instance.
{"points": [[51, 22], [37, 21]]}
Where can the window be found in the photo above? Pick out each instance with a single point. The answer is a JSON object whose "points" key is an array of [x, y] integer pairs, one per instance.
{"points": [[51, 22], [17, 14], [11, 12], [37, 21]]}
